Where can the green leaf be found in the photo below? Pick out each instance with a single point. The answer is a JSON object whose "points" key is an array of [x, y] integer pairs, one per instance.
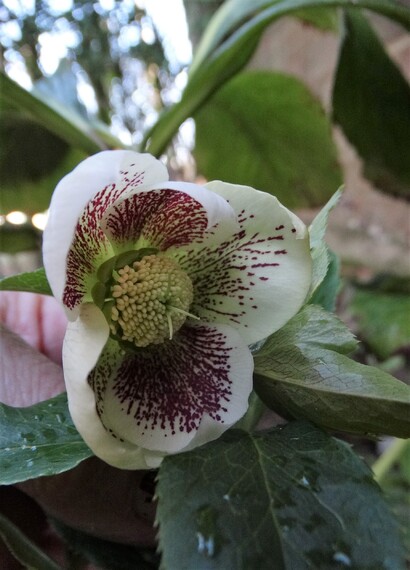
{"points": [[290, 155], [52, 115], [33, 282], [326, 294], [25, 551], [370, 99], [326, 19], [384, 321], [234, 53], [303, 370], [234, 13], [38, 440], [291, 498], [318, 247]]}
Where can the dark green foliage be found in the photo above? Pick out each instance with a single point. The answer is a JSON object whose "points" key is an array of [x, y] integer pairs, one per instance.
{"points": [[292, 498], [304, 369], [266, 130], [371, 102], [38, 440], [33, 282]]}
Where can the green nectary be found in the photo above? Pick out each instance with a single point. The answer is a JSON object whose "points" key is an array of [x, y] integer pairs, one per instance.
{"points": [[144, 296]]}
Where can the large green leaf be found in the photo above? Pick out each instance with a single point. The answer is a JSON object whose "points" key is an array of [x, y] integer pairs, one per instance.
{"points": [[291, 498], [371, 101], [38, 440], [266, 130], [55, 117], [233, 54], [384, 320], [33, 282], [302, 370]]}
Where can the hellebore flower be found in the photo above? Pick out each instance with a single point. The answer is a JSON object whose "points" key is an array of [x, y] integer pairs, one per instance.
{"points": [[166, 284]]}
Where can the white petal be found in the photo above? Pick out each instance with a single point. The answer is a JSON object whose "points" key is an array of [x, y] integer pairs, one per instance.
{"points": [[257, 280], [182, 393], [84, 341], [217, 209], [152, 459], [167, 215], [117, 170]]}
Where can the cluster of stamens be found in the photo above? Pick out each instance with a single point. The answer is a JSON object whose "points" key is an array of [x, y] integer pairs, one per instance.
{"points": [[151, 300]]}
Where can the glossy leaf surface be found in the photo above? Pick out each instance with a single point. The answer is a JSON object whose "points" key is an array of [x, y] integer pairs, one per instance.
{"points": [[290, 498], [303, 369], [33, 282], [38, 440], [267, 131]]}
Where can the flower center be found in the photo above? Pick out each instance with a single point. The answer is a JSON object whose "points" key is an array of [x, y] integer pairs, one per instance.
{"points": [[152, 297]]}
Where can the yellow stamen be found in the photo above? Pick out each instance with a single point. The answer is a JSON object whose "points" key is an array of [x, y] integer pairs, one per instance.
{"points": [[184, 312], [151, 300]]}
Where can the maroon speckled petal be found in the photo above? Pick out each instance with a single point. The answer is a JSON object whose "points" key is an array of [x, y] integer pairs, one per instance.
{"points": [[256, 279], [169, 215], [90, 246], [77, 205], [158, 398], [161, 217]]}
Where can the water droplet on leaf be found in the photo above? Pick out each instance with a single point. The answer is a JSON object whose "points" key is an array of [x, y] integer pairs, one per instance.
{"points": [[206, 547], [342, 558], [206, 530]]}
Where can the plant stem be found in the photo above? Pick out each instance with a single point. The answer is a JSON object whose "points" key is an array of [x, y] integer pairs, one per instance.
{"points": [[385, 462]]}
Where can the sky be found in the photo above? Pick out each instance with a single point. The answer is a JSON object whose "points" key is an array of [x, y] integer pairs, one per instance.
{"points": [[168, 17]]}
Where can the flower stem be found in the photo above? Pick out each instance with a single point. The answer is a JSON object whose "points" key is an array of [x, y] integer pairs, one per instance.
{"points": [[385, 462]]}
